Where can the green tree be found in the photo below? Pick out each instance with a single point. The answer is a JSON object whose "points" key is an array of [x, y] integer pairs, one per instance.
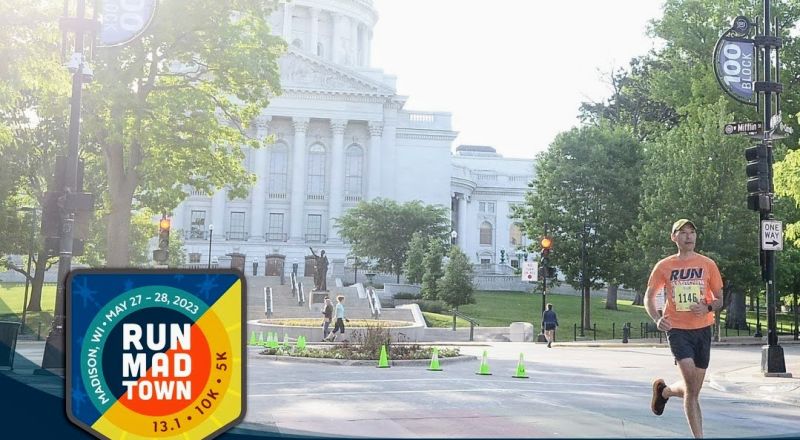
{"points": [[695, 172], [586, 178], [456, 288], [433, 268], [413, 267], [381, 230], [174, 108], [33, 115]]}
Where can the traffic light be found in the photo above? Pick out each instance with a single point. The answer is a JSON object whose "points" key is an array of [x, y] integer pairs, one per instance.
{"points": [[162, 253], [163, 233], [547, 245], [758, 181]]}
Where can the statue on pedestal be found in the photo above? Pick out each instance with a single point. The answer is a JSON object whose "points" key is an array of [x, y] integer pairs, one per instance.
{"points": [[320, 271]]}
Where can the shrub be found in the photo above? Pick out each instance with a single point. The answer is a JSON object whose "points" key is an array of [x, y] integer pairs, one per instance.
{"points": [[432, 306], [407, 295]]}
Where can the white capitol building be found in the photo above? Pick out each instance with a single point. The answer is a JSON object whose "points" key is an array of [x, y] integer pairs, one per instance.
{"points": [[343, 135]]}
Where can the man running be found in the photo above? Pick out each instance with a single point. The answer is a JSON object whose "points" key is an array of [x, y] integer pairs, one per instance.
{"points": [[693, 292]]}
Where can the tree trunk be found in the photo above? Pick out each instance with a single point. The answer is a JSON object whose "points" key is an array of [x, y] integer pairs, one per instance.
{"points": [[638, 300], [35, 302], [611, 299], [121, 186], [737, 312], [118, 238]]}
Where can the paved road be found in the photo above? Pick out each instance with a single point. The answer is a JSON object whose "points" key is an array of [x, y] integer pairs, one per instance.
{"points": [[572, 392]]}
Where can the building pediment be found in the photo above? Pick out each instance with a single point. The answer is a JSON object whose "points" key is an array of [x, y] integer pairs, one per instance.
{"points": [[301, 72]]}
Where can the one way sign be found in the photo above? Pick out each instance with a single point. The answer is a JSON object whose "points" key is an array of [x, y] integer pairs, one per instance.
{"points": [[771, 235]]}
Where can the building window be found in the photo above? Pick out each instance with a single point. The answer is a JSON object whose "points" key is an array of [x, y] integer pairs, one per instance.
{"points": [[314, 229], [198, 225], [316, 172], [275, 231], [486, 261], [515, 235], [320, 50], [486, 207], [278, 166], [236, 228], [298, 43], [515, 264], [486, 234], [353, 173]]}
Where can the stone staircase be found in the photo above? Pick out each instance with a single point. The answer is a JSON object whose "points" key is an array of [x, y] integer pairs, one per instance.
{"points": [[285, 304]]}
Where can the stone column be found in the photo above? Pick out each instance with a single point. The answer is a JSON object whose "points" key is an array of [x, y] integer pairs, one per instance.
{"points": [[218, 202], [177, 218], [314, 30], [260, 189], [337, 178], [287, 22], [363, 48], [368, 53], [335, 34], [461, 227], [375, 141], [354, 49], [298, 195]]}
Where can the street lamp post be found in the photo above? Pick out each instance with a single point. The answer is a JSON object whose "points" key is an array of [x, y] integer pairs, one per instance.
{"points": [[210, 237]]}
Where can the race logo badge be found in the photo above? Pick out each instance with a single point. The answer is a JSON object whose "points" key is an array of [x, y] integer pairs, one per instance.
{"points": [[155, 353]]}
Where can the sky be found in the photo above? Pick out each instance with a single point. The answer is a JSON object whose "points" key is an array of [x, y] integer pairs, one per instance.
{"points": [[513, 73]]}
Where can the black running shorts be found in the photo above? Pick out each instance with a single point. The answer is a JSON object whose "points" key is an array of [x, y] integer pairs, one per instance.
{"points": [[695, 344]]}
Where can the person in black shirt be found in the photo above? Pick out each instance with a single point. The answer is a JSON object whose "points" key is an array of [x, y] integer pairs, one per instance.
{"points": [[549, 322]]}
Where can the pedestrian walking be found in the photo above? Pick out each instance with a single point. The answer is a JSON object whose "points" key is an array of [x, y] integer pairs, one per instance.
{"points": [[327, 317], [340, 319], [550, 323], [693, 292]]}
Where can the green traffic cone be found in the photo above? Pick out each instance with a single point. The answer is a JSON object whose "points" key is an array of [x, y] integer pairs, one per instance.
{"points": [[484, 368], [520, 374], [286, 340], [301, 342], [261, 339], [435, 361], [383, 362], [273, 342], [253, 340]]}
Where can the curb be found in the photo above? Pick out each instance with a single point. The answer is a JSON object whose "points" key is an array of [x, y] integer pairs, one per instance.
{"points": [[363, 362]]}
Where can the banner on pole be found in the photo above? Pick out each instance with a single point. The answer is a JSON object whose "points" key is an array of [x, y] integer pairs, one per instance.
{"points": [[124, 20]]}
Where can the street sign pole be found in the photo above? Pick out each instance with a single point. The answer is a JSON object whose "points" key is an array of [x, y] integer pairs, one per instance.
{"points": [[53, 358], [772, 359]]}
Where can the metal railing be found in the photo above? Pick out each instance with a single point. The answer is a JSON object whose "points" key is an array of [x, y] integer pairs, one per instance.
{"points": [[374, 303], [471, 320], [315, 238], [301, 295], [195, 235], [237, 235], [268, 309], [275, 236]]}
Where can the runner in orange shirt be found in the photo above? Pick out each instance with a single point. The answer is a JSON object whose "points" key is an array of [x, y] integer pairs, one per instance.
{"points": [[693, 292]]}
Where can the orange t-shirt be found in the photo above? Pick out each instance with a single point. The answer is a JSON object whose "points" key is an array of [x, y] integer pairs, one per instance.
{"points": [[686, 282]]}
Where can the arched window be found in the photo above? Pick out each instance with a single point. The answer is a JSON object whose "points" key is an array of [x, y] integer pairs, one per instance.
{"points": [[315, 186], [515, 235], [320, 50], [486, 233], [278, 169], [353, 173], [298, 43]]}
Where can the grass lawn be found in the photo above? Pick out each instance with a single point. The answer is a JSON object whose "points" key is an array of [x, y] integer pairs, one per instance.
{"points": [[11, 298], [499, 309], [443, 321]]}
